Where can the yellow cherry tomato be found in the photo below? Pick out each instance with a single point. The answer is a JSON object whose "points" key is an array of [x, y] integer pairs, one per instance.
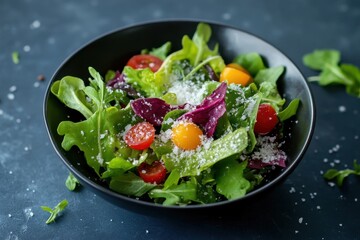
{"points": [[234, 73], [186, 135]]}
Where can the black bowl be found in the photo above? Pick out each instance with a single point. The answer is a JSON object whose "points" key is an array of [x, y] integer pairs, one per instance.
{"points": [[111, 51]]}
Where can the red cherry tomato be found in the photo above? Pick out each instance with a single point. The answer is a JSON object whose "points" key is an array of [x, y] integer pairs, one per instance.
{"points": [[145, 61], [140, 136], [266, 119], [154, 173]]}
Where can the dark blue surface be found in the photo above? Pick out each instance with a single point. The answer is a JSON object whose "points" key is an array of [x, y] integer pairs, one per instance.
{"points": [[31, 174]]}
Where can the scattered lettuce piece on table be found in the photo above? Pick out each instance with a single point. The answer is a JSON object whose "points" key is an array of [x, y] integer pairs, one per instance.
{"points": [[242, 106], [71, 182], [54, 212], [15, 57], [290, 110], [340, 175], [327, 61]]}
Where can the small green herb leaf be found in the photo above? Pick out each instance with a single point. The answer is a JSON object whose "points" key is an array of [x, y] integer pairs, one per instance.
{"points": [[318, 59], [15, 57], [71, 182], [55, 211], [290, 110], [340, 175], [269, 75]]}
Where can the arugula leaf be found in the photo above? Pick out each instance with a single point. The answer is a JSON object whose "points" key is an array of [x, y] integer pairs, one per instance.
{"points": [[290, 110], [340, 175], [242, 105], [177, 194], [269, 75], [327, 61], [197, 161], [252, 62], [55, 211], [71, 182], [130, 184], [230, 180], [15, 57], [319, 59], [160, 52]]}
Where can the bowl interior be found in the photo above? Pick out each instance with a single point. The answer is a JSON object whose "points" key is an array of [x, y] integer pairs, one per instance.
{"points": [[112, 51]]}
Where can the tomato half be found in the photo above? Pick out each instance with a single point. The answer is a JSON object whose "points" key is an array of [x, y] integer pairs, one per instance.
{"points": [[154, 173], [145, 61], [266, 119], [140, 136]]}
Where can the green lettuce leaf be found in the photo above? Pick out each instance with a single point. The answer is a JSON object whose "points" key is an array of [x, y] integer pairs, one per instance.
{"points": [[70, 91], [242, 105], [230, 180], [130, 184], [176, 194], [90, 136], [117, 166], [195, 50], [195, 162], [269, 75], [352, 72], [95, 136], [145, 81], [252, 62], [319, 59]]}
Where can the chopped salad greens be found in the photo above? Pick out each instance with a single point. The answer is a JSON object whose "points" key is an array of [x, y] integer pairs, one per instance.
{"points": [[182, 127]]}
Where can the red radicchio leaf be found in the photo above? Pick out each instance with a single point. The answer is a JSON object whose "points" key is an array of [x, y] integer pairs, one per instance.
{"points": [[152, 110], [209, 111]]}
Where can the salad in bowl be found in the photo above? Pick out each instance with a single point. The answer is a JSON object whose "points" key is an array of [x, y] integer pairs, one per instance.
{"points": [[180, 127]]}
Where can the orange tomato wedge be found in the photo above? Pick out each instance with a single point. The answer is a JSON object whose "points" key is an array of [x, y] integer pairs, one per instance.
{"points": [[234, 73]]}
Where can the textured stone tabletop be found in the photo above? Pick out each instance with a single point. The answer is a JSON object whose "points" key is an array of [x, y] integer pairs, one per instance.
{"points": [[45, 33]]}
